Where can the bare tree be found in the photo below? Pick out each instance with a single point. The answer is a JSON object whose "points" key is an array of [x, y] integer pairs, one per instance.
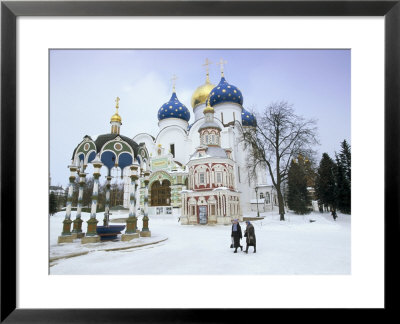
{"points": [[279, 136]]}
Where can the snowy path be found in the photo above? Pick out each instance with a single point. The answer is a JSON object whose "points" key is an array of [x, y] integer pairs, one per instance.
{"points": [[295, 246]]}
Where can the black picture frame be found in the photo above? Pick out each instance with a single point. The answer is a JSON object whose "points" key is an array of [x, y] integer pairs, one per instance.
{"points": [[10, 10]]}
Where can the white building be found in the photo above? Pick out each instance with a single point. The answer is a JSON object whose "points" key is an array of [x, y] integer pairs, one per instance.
{"points": [[171, 148]]}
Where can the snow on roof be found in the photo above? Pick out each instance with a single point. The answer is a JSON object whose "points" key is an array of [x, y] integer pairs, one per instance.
{"points": [[211, 151], [221, 188], [216, 151]]}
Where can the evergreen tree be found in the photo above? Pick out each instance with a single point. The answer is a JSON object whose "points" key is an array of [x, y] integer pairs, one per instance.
{"points": [[52, 203], [345, 158], [325, 183], [298, 196], [343, 178]]}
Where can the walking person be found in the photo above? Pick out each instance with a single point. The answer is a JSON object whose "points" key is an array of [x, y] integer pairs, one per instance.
{"points": [[250, 236], [334, 215], [236, 234]]}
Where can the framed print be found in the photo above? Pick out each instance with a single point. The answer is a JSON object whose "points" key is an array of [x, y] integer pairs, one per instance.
{"points": [[47, 49]]}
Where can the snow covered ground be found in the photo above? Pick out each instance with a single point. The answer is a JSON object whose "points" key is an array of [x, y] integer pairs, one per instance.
{"points": [[294, 246]]}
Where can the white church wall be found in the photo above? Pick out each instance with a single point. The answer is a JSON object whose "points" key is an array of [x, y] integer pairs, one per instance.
{"points": [[177, 136], [172, 122], [227, 112], [198, 111], [147, 139]]}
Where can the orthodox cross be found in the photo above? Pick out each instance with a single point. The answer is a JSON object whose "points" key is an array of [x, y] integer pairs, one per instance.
{"points": [[174, 78], [117, 101], [222, 63], [206, 64]]}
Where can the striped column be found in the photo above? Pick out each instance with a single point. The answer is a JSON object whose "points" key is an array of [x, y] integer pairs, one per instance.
{"points": [[146, 203], [67, 221], [92, 222], [107, 205], [78, 221], [131, 222]]}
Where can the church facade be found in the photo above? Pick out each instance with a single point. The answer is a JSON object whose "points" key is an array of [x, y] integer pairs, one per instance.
{"points": [[199, 168]]}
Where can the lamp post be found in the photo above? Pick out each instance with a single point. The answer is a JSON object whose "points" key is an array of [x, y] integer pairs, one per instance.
{"points": [[256, 190]]}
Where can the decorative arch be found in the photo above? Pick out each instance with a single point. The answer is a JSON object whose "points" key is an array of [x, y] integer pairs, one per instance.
{"points": [[143, 156], [116, 153], [160, 176], [85, 152]]}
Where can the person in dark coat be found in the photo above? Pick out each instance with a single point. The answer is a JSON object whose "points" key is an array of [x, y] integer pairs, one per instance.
{"points": [[250, 236], [334, 215], [236, 234]]}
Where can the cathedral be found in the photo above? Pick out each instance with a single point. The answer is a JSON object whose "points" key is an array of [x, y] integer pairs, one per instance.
{"points": [[195, 170], [198, 169]]}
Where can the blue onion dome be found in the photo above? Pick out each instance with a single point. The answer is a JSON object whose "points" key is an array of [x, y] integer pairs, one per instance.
{"points": [[248, 118], [225, 92], [173, 109]]}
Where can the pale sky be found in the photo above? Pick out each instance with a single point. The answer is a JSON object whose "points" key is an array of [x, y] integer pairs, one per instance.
{"points": [[85, 83]]}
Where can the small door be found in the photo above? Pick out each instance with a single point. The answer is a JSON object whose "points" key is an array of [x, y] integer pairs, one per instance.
{"points": [[203, 214]]}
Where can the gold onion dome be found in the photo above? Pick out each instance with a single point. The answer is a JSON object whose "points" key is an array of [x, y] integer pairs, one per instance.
{"points": [[201, 93], [116, 117]]}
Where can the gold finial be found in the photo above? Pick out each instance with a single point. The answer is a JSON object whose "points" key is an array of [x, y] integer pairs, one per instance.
{"points": [[208, 108], [221, 63], [174, 78], [206, 64], [116, 117]]}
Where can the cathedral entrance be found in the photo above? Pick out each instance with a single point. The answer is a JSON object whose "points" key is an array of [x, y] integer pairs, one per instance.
{"points": [[161, 193], [202, 214]]}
